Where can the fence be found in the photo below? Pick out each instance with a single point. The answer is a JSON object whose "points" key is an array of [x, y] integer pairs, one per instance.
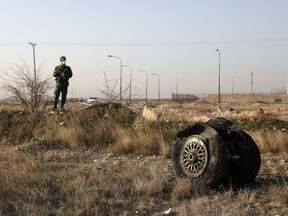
{"points": [[232, 98], [181, 98], [248, 98]]}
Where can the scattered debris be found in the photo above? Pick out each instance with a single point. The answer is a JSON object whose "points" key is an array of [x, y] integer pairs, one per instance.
{"points": [[149, 114], [167, 211]]}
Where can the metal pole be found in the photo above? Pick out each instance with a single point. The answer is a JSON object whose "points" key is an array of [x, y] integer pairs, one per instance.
{"points": [[233, 85], [219, 97], [120, 74], [159, 87], [33, 45], [251, 84], [287, 86], [130, 92], [146, 81], [158, 84], [130, 82]]}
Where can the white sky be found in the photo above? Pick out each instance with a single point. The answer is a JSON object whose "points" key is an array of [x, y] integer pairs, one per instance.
{"points": [[175, 39]]}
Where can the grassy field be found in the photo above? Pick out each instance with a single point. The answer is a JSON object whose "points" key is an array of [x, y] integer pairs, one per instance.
{"points": [[100, 160]]}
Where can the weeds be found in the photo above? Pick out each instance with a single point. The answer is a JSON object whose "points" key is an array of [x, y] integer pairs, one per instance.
{"points": [[96, 162], [114, 128]]}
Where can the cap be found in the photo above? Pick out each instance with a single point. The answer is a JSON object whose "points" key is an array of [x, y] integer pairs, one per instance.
{"points": [[62, 58]]}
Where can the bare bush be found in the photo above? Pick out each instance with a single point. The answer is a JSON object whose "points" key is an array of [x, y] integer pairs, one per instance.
{"points": [[109, 90], [25, 87]]}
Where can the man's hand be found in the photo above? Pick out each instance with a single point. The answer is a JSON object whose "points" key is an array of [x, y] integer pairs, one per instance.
{"points": [[62, 74]]}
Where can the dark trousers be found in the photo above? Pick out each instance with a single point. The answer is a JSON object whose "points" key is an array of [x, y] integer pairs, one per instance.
{"points": [[60, 88]]}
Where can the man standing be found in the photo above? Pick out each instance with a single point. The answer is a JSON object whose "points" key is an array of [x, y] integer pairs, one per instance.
{"points": [[62, 74]]}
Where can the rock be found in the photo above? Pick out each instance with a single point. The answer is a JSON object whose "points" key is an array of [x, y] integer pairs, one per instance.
{"points": [[149, 114], [167, 211]]}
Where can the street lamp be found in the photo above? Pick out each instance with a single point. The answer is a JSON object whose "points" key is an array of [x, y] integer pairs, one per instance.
{"points": [[158, 84], [130, 81], [120, 74], [176, 89], [233, 85], [146, 81], [219, 97], [287, 86], [251, 84]]}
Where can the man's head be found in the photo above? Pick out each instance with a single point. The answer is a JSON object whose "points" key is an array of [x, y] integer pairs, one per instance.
{"points": [[62, 60]]}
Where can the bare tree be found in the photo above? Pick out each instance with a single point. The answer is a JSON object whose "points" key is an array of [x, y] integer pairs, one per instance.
{"points": [[109, 89], [26, 87]]}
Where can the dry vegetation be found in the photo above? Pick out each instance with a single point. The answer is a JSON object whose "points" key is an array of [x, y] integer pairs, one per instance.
{"points": [[106, 161]]}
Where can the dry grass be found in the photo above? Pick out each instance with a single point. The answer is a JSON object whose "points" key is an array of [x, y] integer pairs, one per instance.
{"points": [[268, 141], [88, 183], [96, 162], [270, 200]]}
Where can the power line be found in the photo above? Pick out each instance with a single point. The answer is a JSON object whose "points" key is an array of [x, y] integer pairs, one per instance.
{"points": [[191, 43], [244, 41], [248, 41], [13, 44]]}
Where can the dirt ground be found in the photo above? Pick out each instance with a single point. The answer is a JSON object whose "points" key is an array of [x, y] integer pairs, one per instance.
{"points": [[257, 198], [152, 177]]}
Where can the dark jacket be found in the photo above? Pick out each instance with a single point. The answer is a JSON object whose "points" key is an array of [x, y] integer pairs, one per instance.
{"points": [[62, 74]]}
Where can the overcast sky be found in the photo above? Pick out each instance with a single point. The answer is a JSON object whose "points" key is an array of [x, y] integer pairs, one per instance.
{"points": [[175, 39]]}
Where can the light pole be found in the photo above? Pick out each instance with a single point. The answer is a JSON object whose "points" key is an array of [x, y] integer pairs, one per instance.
{"points": [[176, 89], [233, 85], [120, 74], [219, 97], [251, 84], [130, 81], [158, 84], [33, 45], [146, 81], [287, 86]]}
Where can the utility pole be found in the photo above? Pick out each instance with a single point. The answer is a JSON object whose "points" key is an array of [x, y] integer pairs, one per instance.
{"points": [[34, 91], [33, 45]]}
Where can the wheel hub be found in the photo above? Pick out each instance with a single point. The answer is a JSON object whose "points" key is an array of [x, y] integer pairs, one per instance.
{"points": [[193, 157]]}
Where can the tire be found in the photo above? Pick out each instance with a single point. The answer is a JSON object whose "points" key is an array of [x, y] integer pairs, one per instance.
{"points": [[198, 152], [245, 158]]}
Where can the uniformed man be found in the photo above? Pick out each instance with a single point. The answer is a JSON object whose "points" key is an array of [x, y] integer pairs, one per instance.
{"points": [[62, 74]]}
